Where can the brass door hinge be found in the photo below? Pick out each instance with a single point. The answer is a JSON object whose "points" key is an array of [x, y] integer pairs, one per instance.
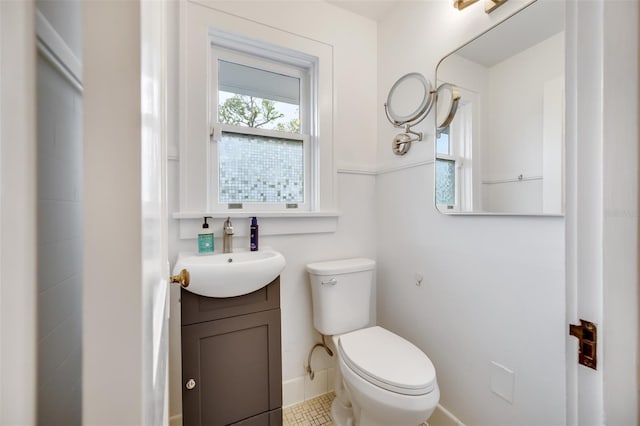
{"points": [[587, 334]]}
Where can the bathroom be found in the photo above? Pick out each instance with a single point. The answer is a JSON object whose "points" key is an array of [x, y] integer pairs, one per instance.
{"points": [[471, 291]]}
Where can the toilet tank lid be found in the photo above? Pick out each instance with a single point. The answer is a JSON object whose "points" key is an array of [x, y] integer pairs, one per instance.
{"points": [[343, 266]]}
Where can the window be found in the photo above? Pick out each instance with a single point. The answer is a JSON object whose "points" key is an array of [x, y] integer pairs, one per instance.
{"points": [[263, 115], [454, 179], [445, 171], [263, 63]]}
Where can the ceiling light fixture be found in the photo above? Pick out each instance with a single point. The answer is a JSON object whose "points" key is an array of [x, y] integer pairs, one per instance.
{"points": [[461, 4], [489, 5]]}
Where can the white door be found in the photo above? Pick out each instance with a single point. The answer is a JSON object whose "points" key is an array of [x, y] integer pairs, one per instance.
{"points": [[17, 213], [125, 324], [602, 208], [154, 214]]}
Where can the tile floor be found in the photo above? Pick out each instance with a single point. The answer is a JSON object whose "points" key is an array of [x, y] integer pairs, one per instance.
{"points": [[314, 412]]}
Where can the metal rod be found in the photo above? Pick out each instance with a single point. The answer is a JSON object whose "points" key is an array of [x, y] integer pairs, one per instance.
{"points": [[519, 178], [310, 371]]}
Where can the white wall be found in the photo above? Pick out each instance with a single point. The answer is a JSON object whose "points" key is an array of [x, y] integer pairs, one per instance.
{"points": [[494, 286], [516, 90], [60, 253], [353, 44], [66, 17], [60, 184]]}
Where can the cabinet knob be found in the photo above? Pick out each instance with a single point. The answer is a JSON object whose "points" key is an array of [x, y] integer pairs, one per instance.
{"points": [[190, 384]]}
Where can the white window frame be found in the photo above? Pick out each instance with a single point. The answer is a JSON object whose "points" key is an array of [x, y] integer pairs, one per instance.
{"points": [[231, 49], [463, 149], [460, 152], [199, 24]]}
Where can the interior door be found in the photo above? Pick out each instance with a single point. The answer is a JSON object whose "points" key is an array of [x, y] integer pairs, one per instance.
{"points": [[602, 208], [17, 213], [154, 214]]}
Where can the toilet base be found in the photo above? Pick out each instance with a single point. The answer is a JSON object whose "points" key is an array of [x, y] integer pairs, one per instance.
{"points": [[341, 414], [371, 406], [344, 416]]}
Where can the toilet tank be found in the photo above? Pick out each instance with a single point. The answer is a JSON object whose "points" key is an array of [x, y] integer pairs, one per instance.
{"points": [[341, 293]]}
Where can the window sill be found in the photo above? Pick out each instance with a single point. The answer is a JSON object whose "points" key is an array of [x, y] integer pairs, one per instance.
{"points": [[271, 223]]}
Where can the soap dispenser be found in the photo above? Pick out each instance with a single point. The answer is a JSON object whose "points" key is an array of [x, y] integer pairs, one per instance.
{"points": [[205, 238]]}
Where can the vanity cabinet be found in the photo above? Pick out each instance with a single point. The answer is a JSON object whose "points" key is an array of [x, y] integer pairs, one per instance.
{"points": [[231, 359]]}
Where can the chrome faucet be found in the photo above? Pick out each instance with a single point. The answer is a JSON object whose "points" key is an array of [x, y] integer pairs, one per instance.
{"points": [[227, 237]]}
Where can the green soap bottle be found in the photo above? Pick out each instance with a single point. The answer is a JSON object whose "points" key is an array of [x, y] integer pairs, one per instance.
{"points": [[205, 238]]}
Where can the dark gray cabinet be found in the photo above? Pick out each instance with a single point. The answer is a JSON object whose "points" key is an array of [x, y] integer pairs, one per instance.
{"points": [[232, 359]]}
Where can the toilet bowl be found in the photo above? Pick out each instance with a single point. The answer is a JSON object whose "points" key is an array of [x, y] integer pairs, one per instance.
{"points": [[381, 378], [388, 380]]}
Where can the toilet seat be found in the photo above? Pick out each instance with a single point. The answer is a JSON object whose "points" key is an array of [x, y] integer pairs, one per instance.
{"points": [[388, 361]]}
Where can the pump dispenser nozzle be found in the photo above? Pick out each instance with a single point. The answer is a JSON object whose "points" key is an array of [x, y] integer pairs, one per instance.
{"points": [[205, 238], [227, 237]]}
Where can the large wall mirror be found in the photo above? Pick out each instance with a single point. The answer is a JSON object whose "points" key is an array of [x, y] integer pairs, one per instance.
{"points": [[503, 152]]}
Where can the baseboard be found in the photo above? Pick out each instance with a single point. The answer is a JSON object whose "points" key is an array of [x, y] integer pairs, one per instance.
{"points": [[443, 417], [175, 420], [300, 389]]}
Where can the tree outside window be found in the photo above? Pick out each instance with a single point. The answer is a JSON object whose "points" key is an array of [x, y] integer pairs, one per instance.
{"points": [[250, 111]]}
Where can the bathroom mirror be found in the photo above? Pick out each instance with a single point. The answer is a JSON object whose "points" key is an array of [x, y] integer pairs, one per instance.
{"points": [[502, 152]]}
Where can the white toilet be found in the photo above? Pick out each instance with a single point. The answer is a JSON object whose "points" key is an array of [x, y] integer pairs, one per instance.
{"points": [[381, 379]]}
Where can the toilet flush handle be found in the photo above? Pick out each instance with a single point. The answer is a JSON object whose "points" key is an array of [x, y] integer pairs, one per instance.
{"points": [[330, 282]]}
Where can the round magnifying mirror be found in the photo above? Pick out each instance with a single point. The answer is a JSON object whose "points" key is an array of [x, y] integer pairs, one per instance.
{"points": [[409, 98], [447, 98]]}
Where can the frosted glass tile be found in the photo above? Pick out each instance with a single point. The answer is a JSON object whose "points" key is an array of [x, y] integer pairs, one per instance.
{"points": [[445, 182], [258, 169]]}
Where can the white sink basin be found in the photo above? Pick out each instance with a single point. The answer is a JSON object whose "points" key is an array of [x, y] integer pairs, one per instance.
{"points": [[230, 274]]}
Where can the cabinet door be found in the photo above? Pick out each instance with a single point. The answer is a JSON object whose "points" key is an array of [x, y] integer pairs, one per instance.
{"points": [[236, 365]]}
